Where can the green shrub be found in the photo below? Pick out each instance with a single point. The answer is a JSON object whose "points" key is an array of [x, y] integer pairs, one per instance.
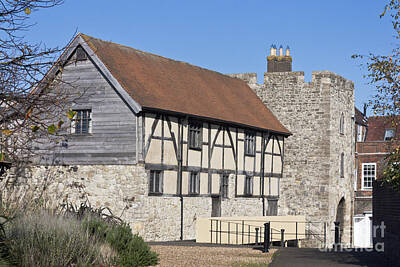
{"points": [[49, 240], [137, 253], [96, 227], [119, 237], [131, 249]]}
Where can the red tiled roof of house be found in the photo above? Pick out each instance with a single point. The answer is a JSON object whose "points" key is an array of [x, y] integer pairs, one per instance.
{"points": [[163, 84], [377, 126]]}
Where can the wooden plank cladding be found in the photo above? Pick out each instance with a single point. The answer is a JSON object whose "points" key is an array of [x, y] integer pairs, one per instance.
{"points": [[112, 137]]}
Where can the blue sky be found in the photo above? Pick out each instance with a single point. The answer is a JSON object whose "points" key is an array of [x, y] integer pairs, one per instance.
{"points": [[231, 36]]}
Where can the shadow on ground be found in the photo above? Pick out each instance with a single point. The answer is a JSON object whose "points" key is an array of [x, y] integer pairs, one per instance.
{"points": [[309, 257]]}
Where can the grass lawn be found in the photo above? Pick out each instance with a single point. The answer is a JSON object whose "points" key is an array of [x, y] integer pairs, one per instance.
{"points": [[211, 256]]}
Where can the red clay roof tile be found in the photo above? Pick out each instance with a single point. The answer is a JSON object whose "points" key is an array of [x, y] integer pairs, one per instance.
{"points": [[377, 126], [164, 84]]}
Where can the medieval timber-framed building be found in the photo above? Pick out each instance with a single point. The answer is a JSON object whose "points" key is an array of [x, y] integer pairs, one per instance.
{"points": [[161, 142]]}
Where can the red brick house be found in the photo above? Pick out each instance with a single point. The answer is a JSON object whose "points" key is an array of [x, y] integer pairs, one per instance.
{"points": [[374, 141]]}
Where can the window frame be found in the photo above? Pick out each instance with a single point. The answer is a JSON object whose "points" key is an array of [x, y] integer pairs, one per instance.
{"points": [[250, 142], [224, 185], [195, 135], [341, 124], [391, 137], [159, 186], [248, 185], [77, 118], [194, 183], [366, 188]]}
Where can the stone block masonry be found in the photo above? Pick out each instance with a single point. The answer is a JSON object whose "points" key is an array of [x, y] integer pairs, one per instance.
{"points": [[313, 183], [123, 189]]}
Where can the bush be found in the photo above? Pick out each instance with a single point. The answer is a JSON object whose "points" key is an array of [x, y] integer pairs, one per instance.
{"points": [[46, 240], [131, 249], [138, 253]]}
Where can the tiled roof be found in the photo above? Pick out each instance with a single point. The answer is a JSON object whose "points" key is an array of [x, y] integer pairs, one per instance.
{"points": [[163, 84], [377, 126]]}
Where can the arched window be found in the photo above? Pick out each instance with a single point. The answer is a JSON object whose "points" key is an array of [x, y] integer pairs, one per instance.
{"points": [[342, 165], [341, 127]]}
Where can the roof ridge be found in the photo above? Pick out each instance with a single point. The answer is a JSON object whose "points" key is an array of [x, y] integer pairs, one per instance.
{"points": [[161, 83], [156, 55]]}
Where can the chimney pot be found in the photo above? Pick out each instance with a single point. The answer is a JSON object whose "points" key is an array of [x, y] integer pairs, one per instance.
{"points": [[287, 51], [281, 63]]}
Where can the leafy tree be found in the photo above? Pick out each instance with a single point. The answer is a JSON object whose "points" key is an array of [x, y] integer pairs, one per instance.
{"points": [[24, 95], [384, 70], [384, 73]]}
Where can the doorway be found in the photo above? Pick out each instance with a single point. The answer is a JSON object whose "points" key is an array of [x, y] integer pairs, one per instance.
{"points": [[340, 217]]}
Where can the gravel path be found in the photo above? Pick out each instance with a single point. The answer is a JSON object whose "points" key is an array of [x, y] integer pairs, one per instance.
{"points": [[175, 256]]}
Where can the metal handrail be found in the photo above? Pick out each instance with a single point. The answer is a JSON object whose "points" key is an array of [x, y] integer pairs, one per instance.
{"points": [[238, 231]]}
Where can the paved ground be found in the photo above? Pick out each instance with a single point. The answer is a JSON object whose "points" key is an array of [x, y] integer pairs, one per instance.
{"points": [[179, 255], [308, 257]]}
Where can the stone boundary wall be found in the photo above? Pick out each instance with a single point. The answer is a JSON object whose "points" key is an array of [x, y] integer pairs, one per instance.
{"points": [[123, 189], [386, 209]]}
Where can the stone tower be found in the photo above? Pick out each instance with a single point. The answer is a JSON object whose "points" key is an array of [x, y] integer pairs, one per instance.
{"points": [[319, 157]]}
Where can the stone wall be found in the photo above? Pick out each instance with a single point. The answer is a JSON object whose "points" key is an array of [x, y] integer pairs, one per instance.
{"points": [[123, 189], [311, 183]]}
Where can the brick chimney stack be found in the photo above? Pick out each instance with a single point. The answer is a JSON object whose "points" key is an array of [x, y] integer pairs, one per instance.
{"points": [[281, 62]]}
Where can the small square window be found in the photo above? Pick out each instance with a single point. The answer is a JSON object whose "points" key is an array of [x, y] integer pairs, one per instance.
{"points": [[248, 186], [156, 182], [195, 136], [194, 183], [249, 144], [389, 134], [82, 122]]}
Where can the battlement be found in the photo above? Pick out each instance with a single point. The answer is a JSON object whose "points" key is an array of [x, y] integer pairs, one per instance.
{"points": [[318, 77], [296, 78]]}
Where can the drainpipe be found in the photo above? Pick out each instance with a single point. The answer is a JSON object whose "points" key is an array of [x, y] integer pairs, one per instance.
{"points": [[180, 156]]}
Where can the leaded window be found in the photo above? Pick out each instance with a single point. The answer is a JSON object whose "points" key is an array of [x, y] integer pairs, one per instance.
{"points": [[195, 136], [194, 183], [156, 182], [224, 185], [82, 122], [248, 186], [249, 144]]}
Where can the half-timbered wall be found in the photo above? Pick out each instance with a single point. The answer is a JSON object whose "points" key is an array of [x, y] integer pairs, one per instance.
{"points": [[222, 153]]}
